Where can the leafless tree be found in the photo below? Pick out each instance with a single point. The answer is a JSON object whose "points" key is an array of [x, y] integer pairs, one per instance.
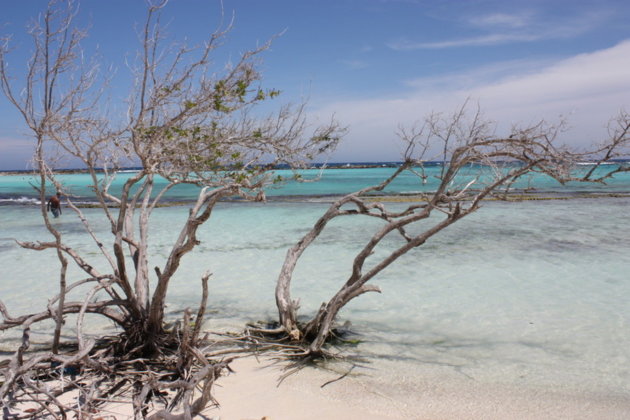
{"points": [[464, 142], [187, 122]]}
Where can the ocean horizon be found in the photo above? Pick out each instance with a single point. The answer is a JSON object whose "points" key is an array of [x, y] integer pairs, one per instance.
{"points": [[334, 179]]}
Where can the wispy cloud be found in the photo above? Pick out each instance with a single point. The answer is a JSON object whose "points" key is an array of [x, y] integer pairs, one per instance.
{"points": [[13, 151], [358, 64], [501, 28], [479, 41], [12, 143], [502, 20], [354, 64], [590, 88], [402, 1], [479, 76]]}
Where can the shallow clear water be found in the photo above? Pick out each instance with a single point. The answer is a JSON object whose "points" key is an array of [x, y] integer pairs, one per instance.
{"points": [[528, 293]]}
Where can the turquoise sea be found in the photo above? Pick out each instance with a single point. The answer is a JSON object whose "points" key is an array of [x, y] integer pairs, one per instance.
{"points": [[16, 188], [529, 294]]}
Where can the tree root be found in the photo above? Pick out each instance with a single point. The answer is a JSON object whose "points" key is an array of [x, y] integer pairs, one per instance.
{"points": [[173, 384], [43, 386]]}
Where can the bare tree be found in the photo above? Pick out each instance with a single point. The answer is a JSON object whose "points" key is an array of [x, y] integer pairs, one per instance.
{"points": [[464, 143], [187, 123]]}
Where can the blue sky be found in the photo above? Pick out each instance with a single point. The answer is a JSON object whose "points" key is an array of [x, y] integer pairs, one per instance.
{"points": [[377, 64]]}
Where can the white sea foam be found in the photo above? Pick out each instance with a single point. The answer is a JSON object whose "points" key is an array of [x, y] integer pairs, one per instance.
{"points": [[19, 200]]}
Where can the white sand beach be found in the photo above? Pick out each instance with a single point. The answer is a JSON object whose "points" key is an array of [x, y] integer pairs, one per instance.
{"points": [[253, 393]]}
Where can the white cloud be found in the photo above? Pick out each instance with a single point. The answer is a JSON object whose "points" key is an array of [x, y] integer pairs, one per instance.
{"points": [[354, 64], [589, 89], [10, 144], [15, 153], [502, 20], [503, 28], [578, 80], [481, 75], [479, 41]]}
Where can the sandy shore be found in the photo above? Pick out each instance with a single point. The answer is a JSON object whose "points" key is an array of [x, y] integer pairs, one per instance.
{"points": [[253, 393]]}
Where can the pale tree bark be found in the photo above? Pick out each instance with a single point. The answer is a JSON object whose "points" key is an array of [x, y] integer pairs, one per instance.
{"points": [[462, 142], [187, 122], [56, 45]]}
